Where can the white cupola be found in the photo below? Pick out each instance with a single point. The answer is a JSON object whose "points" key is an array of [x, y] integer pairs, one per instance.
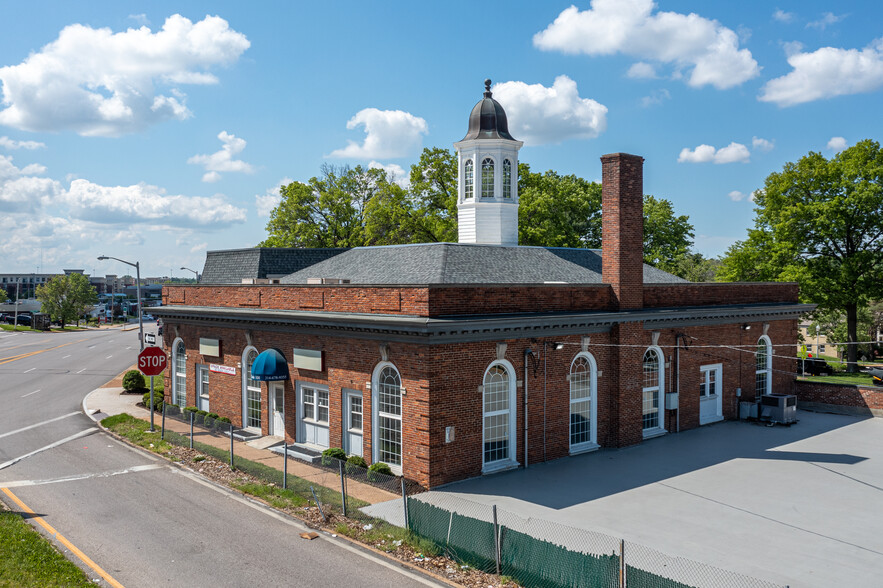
{"points": [[487, 200]]}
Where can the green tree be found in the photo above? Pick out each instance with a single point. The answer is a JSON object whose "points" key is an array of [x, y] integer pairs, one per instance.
{"points": [[3, 295], [558, 211], [66, 298], [433, 194], [667, 237], [820, 222]]}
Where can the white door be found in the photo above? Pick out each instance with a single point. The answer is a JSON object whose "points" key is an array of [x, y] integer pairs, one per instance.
{"points": [[202, 388], [313, 415], [710, 394], [352, 422], [277, 408]]}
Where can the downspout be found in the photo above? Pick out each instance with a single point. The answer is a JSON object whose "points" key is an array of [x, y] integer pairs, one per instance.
{"points": [[527, 352]]}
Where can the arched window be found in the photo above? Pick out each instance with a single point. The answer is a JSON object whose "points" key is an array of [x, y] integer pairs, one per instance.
{"points": [[179, 375], [469, 178], [652, 391], [387, 402], [583, 394], [507, 178], [487, 178], [498, 399], [251, 392], [763, 375]]}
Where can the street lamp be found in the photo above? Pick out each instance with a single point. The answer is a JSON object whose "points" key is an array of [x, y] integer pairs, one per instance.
{"points": [[137, 267], [194, 271]]}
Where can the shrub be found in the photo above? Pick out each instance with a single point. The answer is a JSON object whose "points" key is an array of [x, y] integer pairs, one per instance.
{"points": [[376, 469], [331, 454], [157, 401], [225, 420], [199, 417], [133, 380], [355, 464]]}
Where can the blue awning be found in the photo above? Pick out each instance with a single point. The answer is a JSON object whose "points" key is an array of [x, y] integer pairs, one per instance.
{"points": [[269, 366]]}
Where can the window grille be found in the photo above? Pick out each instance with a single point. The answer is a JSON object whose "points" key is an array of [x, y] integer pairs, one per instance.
{"points": [[487, 178]]}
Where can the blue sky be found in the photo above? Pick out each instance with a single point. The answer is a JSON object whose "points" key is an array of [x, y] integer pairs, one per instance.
{"points": [[156, 131]]}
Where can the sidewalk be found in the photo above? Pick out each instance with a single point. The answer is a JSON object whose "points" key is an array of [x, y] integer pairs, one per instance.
{"points": [[110, 400]]}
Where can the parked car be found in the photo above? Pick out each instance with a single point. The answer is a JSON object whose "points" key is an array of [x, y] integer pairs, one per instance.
{"points": [[815, 366], [876, 376]]}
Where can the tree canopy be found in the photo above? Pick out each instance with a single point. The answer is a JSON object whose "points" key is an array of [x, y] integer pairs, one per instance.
{"points": [[66, 297], [820, 222], [353, 207]]}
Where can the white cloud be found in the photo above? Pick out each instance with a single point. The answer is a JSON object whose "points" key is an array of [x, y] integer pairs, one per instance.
{"points": [[140, 18], [222, 160], [389, 134], [539, 115], [828, 18], [736, 196], [20, 188], [782, 16], [394, 172], [143, 203], [641, 70], [837, 144], [687, 41], [655, 97], [199, 248], [265, 203], [96, 82], [825, 73], [734, 152], [762, 144], [8, 143]]}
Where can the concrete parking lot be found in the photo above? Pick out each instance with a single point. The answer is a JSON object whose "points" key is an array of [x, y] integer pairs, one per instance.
{"points": [[799, 505]]}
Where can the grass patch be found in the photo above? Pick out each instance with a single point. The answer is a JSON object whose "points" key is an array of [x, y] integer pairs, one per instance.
{"points": [[387, 537], [6, 327], [273, 495], [28, 560], [136, 431], [846, 378]]}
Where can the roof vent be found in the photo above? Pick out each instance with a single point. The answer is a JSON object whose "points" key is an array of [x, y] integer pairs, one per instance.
{"points": [[327, 281], [254, 281]]}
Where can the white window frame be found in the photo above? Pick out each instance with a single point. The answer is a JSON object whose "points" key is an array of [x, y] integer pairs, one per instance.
{"points": [[376, 415], [592, 443], [509, 461], [507, 178], [468, 179], [659, 429], [493, 172], [179, 397], [246, 379], [768, 370]]}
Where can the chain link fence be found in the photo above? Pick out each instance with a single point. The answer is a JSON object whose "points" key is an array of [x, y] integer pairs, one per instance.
{"points": [[540, 553]]}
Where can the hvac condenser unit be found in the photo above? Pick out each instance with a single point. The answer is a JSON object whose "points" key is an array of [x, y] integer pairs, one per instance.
{"points": [[779, 408]]}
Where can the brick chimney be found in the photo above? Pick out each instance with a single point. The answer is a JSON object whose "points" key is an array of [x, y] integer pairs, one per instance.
{"points": [[622, 232]]}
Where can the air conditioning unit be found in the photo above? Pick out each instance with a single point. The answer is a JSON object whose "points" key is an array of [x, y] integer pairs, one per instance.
{"points": [[779, 408]]}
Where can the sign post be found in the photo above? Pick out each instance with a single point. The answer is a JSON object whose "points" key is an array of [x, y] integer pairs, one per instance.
{"points": [[151, 362]]}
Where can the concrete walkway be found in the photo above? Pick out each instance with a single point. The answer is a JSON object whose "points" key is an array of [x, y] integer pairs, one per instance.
{"points": [[110, 400]]}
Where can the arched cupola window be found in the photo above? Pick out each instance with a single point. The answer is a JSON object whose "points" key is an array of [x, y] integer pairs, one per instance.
{"points": [[487, 178], [507, 178], [469, 178]]}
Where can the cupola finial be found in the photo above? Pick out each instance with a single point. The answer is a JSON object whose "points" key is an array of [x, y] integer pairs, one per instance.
{"points": [[487, 88]]}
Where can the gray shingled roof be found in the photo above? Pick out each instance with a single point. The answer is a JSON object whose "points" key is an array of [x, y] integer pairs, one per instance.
{"points": [[458, 263], [231, 266]]}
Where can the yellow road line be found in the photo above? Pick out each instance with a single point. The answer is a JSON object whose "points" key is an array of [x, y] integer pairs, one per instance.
{"points": [[83, 557], [12, 358]]}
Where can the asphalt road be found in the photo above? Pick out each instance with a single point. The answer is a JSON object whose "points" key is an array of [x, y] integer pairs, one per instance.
{"points": [[143, 522]]}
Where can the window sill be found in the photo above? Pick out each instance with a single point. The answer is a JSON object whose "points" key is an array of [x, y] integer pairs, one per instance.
{"points": [[315, 422], [654, 432], [499, 466], [584, 448]]}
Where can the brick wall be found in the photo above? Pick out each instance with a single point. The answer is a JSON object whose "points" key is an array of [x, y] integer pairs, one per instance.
{"points": [[862, 398], [670, 295]]}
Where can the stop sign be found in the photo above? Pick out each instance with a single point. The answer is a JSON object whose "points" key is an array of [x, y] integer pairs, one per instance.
{"points": [[152, 361]]}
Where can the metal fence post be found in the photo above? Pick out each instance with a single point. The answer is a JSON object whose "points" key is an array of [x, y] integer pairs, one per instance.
{"points": [[151, 430], [231, 446], [284, 463], [622, 563], [191, 428], [162, 433], [405, 503], [496, 540], [342, 486]]}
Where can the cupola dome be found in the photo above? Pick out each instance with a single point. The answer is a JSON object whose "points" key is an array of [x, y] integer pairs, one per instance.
{"points": [[488, 119]]}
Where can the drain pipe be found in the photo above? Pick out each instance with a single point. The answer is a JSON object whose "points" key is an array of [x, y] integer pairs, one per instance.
{"points": [[527, 352]]}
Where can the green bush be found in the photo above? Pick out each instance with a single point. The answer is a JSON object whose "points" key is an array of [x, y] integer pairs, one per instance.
{"points": [[225, 420], [355, 464], [157, 400], [330, 455], [199, 417], [133, 380], [375, 469], [190, 409]]}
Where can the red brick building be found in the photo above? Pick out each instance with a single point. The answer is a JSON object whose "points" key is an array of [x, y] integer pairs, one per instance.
{"points": [[449, 361]]}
